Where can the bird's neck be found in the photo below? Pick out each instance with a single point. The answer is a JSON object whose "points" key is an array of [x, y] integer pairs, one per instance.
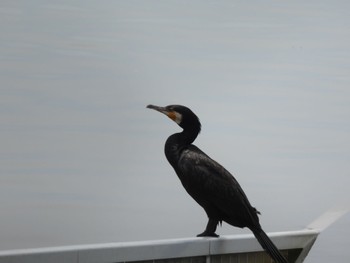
{"points": [[176, 143]]}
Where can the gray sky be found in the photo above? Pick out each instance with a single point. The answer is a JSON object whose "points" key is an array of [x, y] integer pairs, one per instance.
{"points": [[82, 159]]}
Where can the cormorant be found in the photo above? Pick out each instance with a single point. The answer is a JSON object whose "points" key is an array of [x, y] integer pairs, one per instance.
{"points": [[209, 183]]}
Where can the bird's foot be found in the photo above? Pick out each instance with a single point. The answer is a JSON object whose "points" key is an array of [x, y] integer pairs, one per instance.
{"points": [[207, 234]]}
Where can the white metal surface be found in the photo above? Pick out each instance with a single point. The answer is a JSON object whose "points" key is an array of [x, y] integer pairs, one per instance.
{"points": [[150, 250], [328, 218], [175, 248]]}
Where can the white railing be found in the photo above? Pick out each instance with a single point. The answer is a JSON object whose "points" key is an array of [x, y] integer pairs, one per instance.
{"points": [[301, 241]]}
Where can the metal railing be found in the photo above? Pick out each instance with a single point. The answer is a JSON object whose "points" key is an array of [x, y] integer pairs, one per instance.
{"points": [[295, 245]]}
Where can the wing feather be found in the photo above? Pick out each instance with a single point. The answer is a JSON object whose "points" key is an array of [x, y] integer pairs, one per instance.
{"points": [[215, 189]]}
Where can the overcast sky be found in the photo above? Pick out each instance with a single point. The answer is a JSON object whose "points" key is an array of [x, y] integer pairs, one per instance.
{"points": [[82, 158]]}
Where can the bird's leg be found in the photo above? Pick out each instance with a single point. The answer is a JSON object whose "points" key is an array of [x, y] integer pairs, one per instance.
{"points": [[210, 229]]}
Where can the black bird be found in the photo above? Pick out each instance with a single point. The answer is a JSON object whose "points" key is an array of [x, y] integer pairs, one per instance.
{"points": [[209, 183]]}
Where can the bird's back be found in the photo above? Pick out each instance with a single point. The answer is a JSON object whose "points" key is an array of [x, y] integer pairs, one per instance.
{"points": [[215, 189]]}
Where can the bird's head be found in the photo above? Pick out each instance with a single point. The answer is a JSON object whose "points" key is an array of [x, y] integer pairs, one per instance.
{"points": [[182, 115]]}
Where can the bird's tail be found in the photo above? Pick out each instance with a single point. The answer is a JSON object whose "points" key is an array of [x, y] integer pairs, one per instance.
{"points": [[268, 246]]}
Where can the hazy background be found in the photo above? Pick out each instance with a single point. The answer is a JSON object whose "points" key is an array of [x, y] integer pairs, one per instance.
{"points": [[82, 158]]}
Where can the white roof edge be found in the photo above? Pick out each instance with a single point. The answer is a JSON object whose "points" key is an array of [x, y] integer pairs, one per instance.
{"points": [[248, 243], [173, 248], [328, 218]]}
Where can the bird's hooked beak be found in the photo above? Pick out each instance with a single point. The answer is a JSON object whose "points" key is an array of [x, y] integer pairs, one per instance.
{"points": [[158, 108], [175, 116]]}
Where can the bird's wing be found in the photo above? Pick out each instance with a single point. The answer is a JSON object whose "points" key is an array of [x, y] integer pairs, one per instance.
{"points": [[210, 183]]}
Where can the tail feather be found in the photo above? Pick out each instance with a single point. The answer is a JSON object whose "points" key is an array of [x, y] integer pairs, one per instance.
{"points": [[268, 246]]}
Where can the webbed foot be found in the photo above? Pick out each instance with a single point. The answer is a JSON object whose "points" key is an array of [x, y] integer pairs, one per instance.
{"points": [[207, 234]]}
